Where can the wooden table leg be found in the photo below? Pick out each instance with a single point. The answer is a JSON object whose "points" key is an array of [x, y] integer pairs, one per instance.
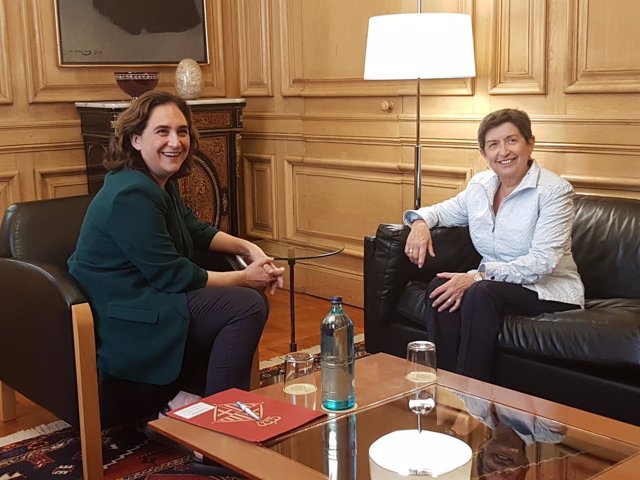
{"points": [[7, 403]]}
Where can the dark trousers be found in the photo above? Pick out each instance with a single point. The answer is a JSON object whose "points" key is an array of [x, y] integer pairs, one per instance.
{"points": [[466, 339], [224, 330]]}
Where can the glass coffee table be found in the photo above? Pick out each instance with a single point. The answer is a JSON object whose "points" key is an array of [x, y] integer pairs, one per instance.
{"points": [[283, 250], [531, 439]]}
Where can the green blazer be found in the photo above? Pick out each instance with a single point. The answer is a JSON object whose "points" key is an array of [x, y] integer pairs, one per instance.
{"points": [[132, 260]]}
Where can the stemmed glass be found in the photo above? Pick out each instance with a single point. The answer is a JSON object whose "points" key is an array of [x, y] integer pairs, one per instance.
{"points": [[422, 371]]}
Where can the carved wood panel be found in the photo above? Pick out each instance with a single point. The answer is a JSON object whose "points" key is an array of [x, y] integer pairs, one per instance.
{"points": [[519, 39], [603, 54]]}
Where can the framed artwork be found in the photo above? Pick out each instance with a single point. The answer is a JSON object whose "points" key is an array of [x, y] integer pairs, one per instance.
{"points": [[131, 32]]}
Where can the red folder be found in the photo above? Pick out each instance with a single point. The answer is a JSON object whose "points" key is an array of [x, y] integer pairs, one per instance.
{"points": [[220, 413]]}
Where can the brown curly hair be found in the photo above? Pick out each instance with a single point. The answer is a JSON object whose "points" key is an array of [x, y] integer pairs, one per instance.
{"points": [[121, 153]]}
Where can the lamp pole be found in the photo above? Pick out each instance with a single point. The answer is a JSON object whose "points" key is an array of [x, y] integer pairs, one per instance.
{"points": [[418, 154], [417, 174]]}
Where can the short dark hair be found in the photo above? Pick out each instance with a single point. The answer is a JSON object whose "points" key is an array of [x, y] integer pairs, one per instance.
{"points": [[507, 115], [121, 153]]}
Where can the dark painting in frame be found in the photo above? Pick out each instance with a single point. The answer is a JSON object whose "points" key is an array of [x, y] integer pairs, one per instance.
{"points": [[131, 32]]}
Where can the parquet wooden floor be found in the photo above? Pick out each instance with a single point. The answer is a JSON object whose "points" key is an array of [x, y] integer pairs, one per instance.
{"points": [[275, 341]]}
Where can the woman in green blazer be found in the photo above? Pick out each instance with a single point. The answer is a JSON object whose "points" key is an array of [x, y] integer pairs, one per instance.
{"points": [[160, 318]]}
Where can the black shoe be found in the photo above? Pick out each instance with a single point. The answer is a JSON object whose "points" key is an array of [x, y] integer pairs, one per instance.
{"points": [[206, 466], [158, 437], [163, 411]]}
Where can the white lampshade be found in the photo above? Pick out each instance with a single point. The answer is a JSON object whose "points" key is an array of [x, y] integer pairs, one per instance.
{"points": [[419, 45]]}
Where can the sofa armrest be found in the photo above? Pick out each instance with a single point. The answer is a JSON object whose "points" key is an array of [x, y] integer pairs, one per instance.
{"points": [[387, 270], [36, 335]]}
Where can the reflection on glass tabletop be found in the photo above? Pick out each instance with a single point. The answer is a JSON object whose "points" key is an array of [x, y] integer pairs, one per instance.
{"points": [[283, 250], [507, 444]]}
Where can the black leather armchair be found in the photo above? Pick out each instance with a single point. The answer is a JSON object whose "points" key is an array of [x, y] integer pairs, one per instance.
{"points": [[588, 358], [46, 328]]}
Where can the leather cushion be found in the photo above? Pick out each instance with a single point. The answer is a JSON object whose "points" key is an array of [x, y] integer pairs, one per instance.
{"points": [[412, 305], [605, 246], [43, 230], [606, 332]]}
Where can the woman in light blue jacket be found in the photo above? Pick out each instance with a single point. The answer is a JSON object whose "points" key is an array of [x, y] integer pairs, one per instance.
{"points": [[520, 218]]}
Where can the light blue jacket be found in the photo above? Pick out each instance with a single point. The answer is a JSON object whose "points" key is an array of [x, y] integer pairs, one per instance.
{"points": [[528, 241]]}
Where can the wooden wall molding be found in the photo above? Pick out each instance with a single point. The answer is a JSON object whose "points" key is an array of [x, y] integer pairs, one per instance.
{"points": [[364, 167], [583, 120], [5, 68], [41, 124], [259, 181], [34, 136], [316, 278], [48, 82], [254, 41], [590, 148], [598, 60], [57, 181], [296, 82], [40, 147], [518, 63], [293, 137], [9, 188], [607, 185]]}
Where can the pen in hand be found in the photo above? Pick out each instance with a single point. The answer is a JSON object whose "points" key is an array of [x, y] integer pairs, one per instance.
{"points": [[248, 411]]}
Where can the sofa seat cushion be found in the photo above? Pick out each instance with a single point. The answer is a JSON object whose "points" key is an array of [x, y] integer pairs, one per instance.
{"points": [[606, 332], [412, 305]]}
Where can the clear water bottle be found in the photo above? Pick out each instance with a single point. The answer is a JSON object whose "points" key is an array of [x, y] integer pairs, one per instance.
{"points": [[337, 361]]}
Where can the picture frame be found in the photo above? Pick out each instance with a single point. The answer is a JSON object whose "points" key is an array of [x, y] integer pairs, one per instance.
{"points": [[131, 32]]}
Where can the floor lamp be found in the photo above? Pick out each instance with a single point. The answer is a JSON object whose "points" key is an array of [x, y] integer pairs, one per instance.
{"points": [[419, 46]]}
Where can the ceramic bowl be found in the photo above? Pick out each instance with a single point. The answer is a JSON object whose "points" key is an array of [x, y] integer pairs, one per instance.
{"points": [[135, 84]]}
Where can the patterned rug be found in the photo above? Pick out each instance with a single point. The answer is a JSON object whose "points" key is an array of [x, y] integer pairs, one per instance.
{"points": [[128, 453]]}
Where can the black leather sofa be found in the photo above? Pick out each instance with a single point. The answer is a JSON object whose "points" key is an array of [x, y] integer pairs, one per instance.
{"points": [[589, 359]]}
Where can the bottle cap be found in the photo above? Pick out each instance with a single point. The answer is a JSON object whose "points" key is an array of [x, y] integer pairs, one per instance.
{"points": [[336, 299]]}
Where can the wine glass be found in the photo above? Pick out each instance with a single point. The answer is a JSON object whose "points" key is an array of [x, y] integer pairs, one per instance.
{"points": [[423, 372]]}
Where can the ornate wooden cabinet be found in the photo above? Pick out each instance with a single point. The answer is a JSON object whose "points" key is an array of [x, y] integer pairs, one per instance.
{"points": [[212, 189]]}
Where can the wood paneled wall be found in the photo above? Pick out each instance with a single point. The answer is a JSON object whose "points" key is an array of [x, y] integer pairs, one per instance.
{"points": [[327, 155]]}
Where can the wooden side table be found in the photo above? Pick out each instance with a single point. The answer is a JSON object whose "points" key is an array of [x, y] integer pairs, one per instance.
{"points": [[212, 189]]}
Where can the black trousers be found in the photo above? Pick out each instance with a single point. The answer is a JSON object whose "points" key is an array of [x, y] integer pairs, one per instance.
{"points": [[224, 330], [466, 339]]}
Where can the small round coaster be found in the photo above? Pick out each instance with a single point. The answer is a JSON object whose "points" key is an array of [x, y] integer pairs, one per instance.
{"points": [[299, 389], [355, 405]]}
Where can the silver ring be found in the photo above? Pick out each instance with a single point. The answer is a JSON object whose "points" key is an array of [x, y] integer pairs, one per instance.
{"points": [[410, 251], [449, 301]]}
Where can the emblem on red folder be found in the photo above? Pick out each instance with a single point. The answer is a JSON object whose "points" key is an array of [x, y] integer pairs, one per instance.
{"points": [[230, 412]]}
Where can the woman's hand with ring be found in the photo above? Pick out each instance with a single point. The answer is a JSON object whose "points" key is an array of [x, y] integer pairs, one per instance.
{"points": [[448, 296], [419, 243]]}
